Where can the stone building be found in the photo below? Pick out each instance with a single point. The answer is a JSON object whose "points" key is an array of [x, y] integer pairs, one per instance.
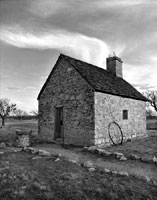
{"points": [[78, 102]]}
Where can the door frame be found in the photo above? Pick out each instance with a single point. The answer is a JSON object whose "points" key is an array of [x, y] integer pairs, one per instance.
{"points": [[55, 124]]}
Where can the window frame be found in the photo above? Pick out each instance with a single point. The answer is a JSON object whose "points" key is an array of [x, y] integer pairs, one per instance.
{"points": [[125, 114]]}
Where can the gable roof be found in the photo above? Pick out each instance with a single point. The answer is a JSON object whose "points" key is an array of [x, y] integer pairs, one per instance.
{"points": [[100, 80]]}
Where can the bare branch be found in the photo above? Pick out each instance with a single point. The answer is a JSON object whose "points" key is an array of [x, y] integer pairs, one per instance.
{"points": [[6, 108], [152, 98]]}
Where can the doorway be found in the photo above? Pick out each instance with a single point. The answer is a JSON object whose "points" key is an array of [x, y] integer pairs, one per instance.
{"points": [[59, 123]]}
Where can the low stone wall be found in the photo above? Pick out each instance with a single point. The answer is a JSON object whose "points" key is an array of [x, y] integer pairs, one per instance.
{"points": [[120, 156]]}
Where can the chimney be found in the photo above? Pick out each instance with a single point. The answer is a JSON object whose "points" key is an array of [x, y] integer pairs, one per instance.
{"points": [[114, 66]]}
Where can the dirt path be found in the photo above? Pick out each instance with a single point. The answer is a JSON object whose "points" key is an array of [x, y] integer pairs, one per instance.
{"points": [[131, 166]]}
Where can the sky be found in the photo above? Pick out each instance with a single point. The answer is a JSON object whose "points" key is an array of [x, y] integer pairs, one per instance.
{"points": [[33, 33]]}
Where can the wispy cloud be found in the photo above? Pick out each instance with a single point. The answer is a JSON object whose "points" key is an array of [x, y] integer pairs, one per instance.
{"points": [[13, 88], [144, 87], [141, 76], [87, 48], [115, 3]]}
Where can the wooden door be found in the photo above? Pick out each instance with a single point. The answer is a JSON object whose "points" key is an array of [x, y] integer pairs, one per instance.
{"points": [[59, 123]]}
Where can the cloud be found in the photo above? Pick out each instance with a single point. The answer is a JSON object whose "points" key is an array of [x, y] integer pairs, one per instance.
{"points": [[13, 88], [144, 87], [142, 77], [30, 88], [46, 8], [115, 3], [89, 49]]}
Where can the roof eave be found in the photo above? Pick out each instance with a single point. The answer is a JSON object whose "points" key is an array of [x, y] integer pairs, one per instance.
{"points": [[129, 97], [49, 76]]}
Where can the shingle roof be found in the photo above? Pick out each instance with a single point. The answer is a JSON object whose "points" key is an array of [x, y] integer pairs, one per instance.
{"points": [[101, 80]]}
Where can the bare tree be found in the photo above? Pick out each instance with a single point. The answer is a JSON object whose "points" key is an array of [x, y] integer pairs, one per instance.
{"points": [[149, 112], [20, 113], [152, 98], [35, 113], [6, 108]]}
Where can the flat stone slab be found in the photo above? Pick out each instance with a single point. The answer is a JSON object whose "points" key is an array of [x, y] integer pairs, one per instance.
{"points": [[104, 152]]}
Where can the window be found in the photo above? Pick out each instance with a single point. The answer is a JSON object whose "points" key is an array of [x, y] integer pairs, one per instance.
{"points": [[125, 114]]}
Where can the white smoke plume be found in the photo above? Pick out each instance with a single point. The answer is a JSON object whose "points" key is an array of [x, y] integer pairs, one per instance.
{"points": [[89, 49]]}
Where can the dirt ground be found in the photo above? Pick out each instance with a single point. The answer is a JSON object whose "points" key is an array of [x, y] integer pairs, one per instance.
{"points": [[131, 166]]}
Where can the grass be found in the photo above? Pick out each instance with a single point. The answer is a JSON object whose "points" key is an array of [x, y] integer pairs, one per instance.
{"points": [[23, 178], [8, 132], [152, 124], [140, 146], [22, 124]]}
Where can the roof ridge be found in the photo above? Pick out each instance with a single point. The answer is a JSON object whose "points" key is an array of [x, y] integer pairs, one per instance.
{"points": [[102, 80], [99, 79]]}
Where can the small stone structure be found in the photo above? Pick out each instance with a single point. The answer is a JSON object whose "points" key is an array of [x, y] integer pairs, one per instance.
{"points": [[78, 102], [23, 138]]}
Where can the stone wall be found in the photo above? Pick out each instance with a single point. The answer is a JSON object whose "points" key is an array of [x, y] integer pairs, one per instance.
{"points": [[67, 88], [110, 108]]}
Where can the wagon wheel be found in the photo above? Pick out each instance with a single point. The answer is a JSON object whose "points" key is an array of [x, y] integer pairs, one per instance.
{"points": [[115, 133]]}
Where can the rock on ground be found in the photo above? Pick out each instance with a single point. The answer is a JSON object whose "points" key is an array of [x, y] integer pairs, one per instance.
{"points": [[124, 173], [2, 145], [123, 158], [104, 152], [91, 169], [58, 159], [155, 159], [118, 155], [92, 149], [43, 153], [135, 157], [88, 164]]}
